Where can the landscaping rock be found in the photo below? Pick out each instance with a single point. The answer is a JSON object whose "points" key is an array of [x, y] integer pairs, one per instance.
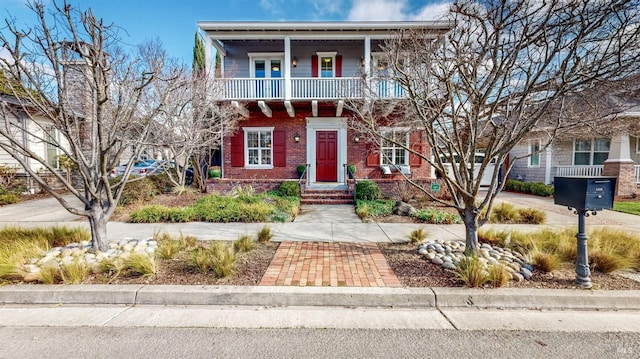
{"points": [[404, 209], [437, 260], [449, 265]]}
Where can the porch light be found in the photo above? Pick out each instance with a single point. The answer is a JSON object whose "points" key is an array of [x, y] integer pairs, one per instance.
{"points": [[275, 68], [296, 137], [356, 138], [294, 62]]}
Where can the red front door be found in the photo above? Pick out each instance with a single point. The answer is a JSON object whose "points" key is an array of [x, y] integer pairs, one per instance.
{"points": [[327, 156]]}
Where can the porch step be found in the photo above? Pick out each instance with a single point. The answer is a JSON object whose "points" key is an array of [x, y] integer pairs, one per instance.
{"points": [[317, 196]]}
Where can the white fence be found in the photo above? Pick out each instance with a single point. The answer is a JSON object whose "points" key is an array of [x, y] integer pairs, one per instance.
{"points": [[578, 171]]}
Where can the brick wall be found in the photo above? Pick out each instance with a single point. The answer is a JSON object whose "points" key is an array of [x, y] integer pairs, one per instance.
{"points": [[296, 152]]}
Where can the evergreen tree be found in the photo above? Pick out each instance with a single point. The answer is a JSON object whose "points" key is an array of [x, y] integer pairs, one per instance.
{"points": [[199, 62]]}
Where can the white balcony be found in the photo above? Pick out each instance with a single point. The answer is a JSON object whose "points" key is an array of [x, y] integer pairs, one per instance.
{"points": [[579, 171], [307, 88]]}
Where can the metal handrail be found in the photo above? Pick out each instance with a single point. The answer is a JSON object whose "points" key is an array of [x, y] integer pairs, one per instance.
{"points": [[348, 174], [303, 176]]}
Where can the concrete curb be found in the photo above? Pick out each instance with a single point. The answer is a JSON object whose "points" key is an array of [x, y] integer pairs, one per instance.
{"points": [[508, 298]]}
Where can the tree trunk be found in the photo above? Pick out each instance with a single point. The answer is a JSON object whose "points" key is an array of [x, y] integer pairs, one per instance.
{"points": [[470, 219], [98, 225]]}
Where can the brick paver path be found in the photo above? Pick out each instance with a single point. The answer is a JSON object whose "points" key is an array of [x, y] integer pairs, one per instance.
{"points": [[329, 264]]}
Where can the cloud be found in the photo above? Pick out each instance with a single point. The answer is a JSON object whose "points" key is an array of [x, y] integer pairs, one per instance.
{"points": [[395, 10]]}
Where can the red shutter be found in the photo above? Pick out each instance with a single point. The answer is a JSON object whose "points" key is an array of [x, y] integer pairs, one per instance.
{"points": [[415, 143], [338, 65], [279, 149], [237, 149], [314, 65], [373, 157]]}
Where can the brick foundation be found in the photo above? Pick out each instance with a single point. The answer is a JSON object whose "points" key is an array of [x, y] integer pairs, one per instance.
{"points": [[626, 186]]}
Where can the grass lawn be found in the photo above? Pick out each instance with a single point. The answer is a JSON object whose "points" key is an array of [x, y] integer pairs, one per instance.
{"points": [[627, 207]]}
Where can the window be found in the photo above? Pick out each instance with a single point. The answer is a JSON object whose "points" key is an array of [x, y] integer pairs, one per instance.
{"points": [[637, 144], [534, 151], [392, 152], [259, 147], [590, 152], [327, 63], [52, 148]]}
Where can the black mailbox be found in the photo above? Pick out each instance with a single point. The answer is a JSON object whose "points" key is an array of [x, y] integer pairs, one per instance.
{"points": [[584, 193]]}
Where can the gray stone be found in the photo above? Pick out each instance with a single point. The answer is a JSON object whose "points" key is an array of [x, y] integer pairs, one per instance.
{"points": [[447, 259], [526, 273], [517, 277], [430, 255], [437, 261], [528, 267], [449, 265], [422, 251], [404, 209]]}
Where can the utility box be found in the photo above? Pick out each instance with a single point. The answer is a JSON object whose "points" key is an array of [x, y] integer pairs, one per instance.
{"points": [[584, 193]]}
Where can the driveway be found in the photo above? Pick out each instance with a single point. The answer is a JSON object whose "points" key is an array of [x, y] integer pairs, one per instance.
{"points": [[40, 210]]}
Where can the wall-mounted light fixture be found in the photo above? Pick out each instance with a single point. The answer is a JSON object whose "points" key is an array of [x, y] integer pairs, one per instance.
{"points": [[296, 137], [294, 62], [356, 138]]}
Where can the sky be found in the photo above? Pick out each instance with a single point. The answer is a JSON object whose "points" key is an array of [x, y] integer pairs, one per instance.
{"points": [[173, 22]]}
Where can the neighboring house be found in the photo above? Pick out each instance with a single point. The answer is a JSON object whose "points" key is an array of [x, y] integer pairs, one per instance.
{"points": [[293, 81], [616, 156], [11, 111]]}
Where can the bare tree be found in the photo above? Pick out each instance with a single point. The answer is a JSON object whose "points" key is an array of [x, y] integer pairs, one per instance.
{"points": [[193, 127], [76, 91], [507, 69]]}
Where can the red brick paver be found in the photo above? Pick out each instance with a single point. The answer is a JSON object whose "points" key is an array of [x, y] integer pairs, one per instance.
{"points": [[329, 264]]}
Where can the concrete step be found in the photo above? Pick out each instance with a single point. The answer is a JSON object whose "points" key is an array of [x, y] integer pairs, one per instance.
{"points": [[327, 201]]}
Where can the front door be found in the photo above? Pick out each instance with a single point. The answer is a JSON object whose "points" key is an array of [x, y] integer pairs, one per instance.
{"points": [[327, 156]]}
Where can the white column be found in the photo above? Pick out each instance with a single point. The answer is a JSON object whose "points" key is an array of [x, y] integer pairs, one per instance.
{"points": [[547, 165], [620, 149], [208, 54], [287, 68], [367, 55]]}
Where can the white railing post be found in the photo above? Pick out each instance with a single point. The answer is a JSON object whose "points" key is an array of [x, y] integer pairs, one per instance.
{"points": [[637, 170]]}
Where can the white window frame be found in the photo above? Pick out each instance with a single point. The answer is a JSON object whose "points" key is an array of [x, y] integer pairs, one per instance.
{"points": [[246, 148], [591, 151], [394, 147], [332, 55], [533, 153], [55, 138], [266, 56], [638, 144]]}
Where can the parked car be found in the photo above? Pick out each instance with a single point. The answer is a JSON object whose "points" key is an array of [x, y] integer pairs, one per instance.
{"points": [[140, 168]]}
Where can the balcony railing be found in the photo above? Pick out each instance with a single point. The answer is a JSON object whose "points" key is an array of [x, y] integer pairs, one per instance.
{"points": [[311, 88], [637, 169], [579, 171]]}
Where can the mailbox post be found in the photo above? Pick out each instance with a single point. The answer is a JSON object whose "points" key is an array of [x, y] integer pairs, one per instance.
{"points": [[584, 195]]}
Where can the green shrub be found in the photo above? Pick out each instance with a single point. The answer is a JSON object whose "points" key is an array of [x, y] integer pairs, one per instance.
{"points": [[289, 189], [140, 190], [375, 208], [214, 173], [418, 236], [264, 235], [243, 244], [537, 188], [367, 190], [9, 198], [161, 182], [150, 214], [471, 272], [505, 213], [435, 216]]}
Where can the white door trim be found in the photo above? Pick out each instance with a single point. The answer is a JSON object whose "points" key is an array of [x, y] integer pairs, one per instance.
{"points": [[326, 124]]}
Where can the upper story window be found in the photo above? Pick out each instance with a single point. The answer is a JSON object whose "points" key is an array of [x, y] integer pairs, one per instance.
{"points": [[590, 152], [258, 147], [534, 152], [391, 147], [266, 65], [327, 64]]}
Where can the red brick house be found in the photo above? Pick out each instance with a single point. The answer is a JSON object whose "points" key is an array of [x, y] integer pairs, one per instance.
{"points": [[292, 81]]}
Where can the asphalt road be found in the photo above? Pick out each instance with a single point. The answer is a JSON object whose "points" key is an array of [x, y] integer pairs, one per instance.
{"points": [[92, 342]]}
